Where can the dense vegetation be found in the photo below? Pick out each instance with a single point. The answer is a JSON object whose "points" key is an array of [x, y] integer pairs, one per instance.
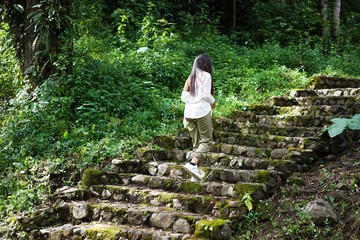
{"points": [[129, 63]]}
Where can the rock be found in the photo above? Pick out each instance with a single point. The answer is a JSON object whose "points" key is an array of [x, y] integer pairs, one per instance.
{"points": [[139, 179], [164, 169], [117, 161], [80, 210], [177, 155], [330, 158], [161, 220], [321, 212], [182, 226], [153, 168], [216, 229], [227, 190], [236, 163], [176, 204], [279, 153], [342, 186], [176, 173], [68, 230]]}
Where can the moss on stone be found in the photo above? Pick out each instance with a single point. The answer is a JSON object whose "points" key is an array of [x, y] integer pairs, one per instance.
{"points": [[242, 188], [112, 209], [296, 181], [165, 197], [205, 229], [191, 187], [165, 141], [280, 165], [104, 232], [262, 176], [168, 183], [91, 176]]}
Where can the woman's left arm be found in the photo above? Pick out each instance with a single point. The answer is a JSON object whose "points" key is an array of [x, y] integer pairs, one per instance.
{"points": [[207, 90]]}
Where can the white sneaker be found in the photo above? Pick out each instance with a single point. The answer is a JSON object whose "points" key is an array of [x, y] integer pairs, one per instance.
{"points": [[192, 179], [189, 155], [194, 171]]}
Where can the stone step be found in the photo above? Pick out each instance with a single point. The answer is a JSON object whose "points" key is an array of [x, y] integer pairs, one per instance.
{"points": [[134, 215], [328, 82], [107, 231], [252, 156], [348, 101], [270, 176], [228, 125], [224, 161], [235, 190], [278, 159], [320, 110], [325, 92], [283, 120], [215, 206], [270, 141], [222, 155]]}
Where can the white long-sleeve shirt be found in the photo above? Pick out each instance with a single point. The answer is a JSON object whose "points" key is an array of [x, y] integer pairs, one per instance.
{"points": [[198, 105]]}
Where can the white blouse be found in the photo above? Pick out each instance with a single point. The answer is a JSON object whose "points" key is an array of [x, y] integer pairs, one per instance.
{"points": [[198, 105]]}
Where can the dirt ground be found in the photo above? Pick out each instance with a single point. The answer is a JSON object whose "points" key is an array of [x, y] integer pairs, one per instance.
{"points": [[336, 180]]}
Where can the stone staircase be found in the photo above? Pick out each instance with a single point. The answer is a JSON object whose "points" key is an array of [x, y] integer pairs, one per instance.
{"points": [[151, 197]]}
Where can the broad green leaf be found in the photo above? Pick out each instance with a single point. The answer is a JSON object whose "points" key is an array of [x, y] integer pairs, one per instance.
{"points": [[338, 127], [355, 122]]}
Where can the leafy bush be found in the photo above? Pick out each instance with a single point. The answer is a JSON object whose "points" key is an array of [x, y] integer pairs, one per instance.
{"points": [[125, 88]]}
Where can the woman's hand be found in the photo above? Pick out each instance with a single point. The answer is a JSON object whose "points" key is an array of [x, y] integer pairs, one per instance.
{"points": [[212, 105]]}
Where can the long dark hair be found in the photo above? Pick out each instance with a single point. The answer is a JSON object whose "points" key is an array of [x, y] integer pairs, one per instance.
{"points": [[203, 63]]}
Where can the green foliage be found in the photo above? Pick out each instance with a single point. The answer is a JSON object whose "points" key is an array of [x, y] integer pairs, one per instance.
{"points": [[340, 124], [129, 63], [10, 77], [248, 201], [346, 128]]}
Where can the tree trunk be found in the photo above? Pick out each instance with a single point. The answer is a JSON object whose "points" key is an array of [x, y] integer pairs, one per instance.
{"points": [[337, 7], [21, 30], [36, 58], [324, 14], [234, 14]]}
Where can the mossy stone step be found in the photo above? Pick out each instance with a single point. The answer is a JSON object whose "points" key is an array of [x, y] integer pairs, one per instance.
{"points": [[314, 101], [161, 218], [234, 190], [320, 110], [282, 120], [228, 125], [282, 160], [216, 206], [325, 92], [272, 141], [105, 231], [328, 82]]}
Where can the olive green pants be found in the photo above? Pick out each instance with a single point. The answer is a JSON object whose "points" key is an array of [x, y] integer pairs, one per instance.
{"points": [[201, 133]]}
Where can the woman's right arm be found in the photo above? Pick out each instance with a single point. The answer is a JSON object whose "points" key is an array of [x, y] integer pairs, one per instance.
{"points": [[187, 85], [186, 91]]}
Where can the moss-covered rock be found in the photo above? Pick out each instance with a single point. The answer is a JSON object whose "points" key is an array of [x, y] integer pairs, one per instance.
{"points": [[262, 176], [191, 187], [217, 229], [256, 191], [103, 232], [92, 176], [165, 141]]}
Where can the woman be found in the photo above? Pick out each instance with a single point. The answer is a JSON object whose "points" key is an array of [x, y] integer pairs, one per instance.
{"points": [[199, 101]]}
